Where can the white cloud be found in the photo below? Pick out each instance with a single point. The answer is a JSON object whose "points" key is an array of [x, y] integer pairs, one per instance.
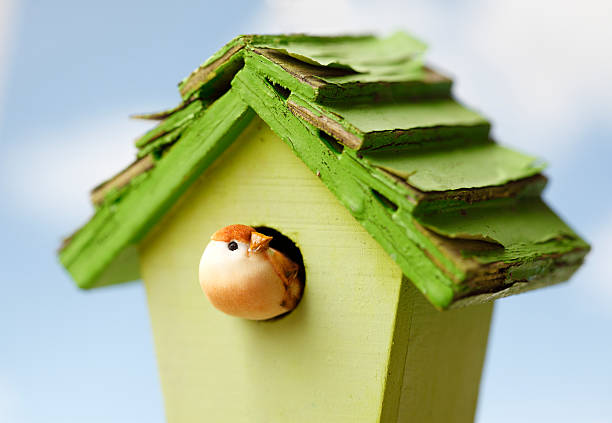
{"points": [[48, 173], [540, 69], [552, 60]]}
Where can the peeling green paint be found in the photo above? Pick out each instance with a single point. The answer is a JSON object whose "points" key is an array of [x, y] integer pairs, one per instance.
{"points": [[392, 125], [523, 229], [363, 54], [471, 166], [176, 121], [372, 68], [120, 224], [458, 213]]}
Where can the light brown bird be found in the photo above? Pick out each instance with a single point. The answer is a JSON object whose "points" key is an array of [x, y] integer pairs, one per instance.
{"points": [[243, 276]]}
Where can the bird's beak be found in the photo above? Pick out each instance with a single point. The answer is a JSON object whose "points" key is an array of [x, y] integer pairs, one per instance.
{"points": [[259, 242]]}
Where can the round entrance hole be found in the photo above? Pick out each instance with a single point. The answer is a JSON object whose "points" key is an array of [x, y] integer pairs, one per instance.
{"points": [[285, 245]]}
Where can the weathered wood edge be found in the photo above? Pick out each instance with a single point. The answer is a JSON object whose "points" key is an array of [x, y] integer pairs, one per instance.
{"points": [[206, 71], [502, 279], [96, 245], [556, 275], [353, 137], [176, 120], [309, 79], [121, 179], [311, 82], [330, 126]]}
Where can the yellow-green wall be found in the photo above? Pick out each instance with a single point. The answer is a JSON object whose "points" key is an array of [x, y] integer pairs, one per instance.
{"points": [[328, 360]]}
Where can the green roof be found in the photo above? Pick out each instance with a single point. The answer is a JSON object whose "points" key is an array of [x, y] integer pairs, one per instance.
{"points": [[460, 214]]}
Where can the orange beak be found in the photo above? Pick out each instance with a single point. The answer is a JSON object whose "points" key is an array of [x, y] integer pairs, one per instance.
{"points": [[259, 242]]}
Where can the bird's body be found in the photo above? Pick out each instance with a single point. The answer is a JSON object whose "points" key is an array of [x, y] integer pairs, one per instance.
{"points": [[242, 276]]}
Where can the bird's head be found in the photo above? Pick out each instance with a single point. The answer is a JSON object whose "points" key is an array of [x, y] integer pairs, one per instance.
{"points": [[241, 240], [231, 246]]}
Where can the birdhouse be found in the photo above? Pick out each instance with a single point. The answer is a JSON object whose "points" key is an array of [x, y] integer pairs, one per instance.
{"points": [[404, 218]]}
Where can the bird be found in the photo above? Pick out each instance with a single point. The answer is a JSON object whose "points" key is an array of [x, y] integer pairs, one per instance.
{"points": [[244, 277]]}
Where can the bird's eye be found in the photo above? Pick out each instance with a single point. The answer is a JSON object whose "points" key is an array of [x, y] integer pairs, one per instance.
{"points": [[232, 246]]}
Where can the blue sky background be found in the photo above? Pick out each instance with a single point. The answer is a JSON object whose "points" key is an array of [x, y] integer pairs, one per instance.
{"points": [[71, 73]]}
